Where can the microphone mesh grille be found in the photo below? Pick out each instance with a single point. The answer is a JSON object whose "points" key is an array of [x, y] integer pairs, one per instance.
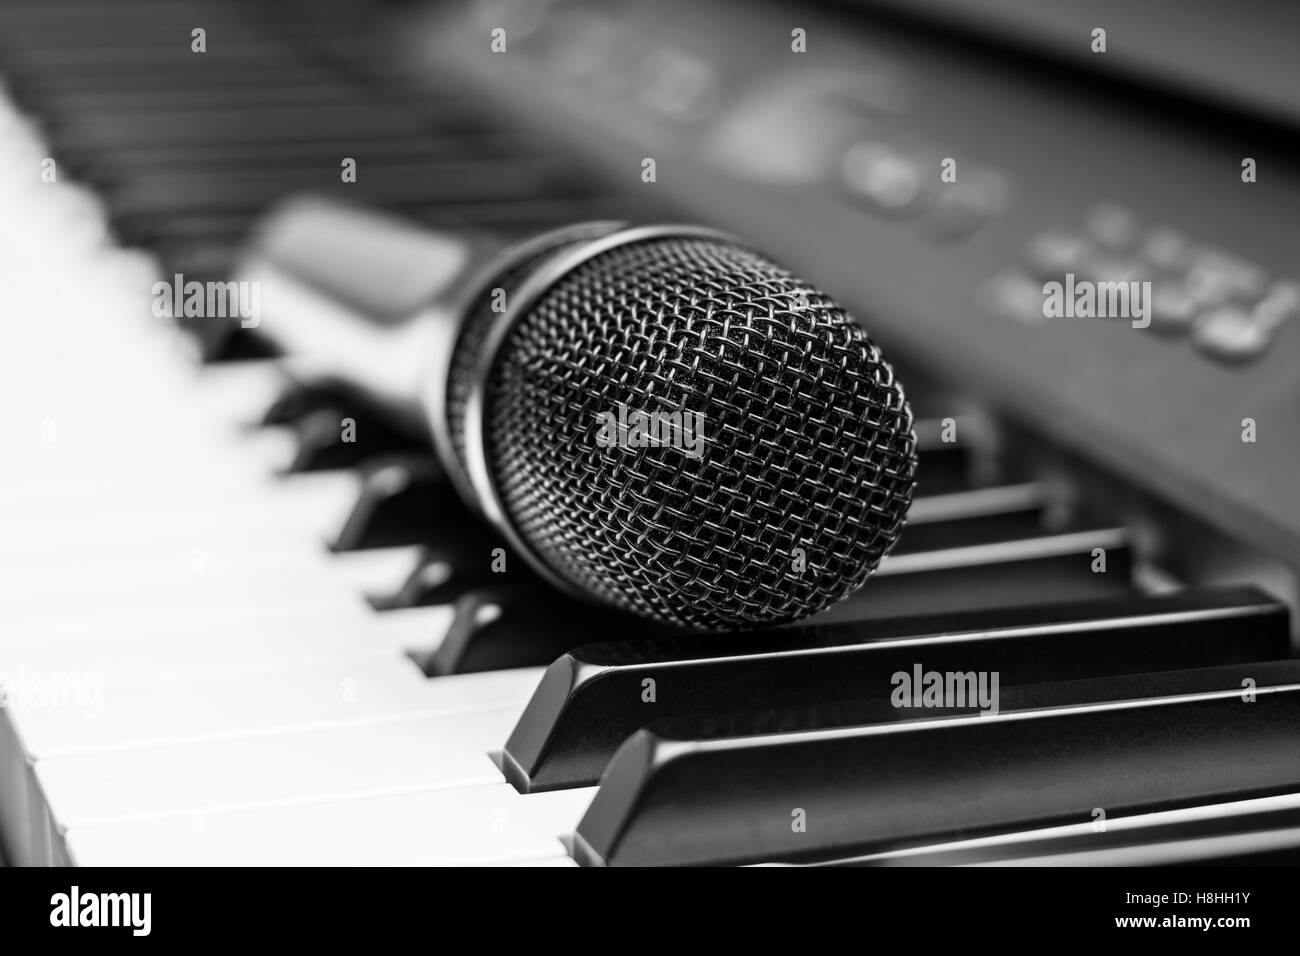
{"points": [[475, 325], [808, 436]]}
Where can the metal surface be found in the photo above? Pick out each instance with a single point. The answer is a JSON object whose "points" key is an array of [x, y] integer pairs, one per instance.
{"points": [[451, 376], [809, 441]]}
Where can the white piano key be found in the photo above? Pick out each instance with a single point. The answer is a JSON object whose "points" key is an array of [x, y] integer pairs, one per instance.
{"points": [[261, 702], [383, 264], [238, 393], [474, 825], [221, 623], [419, 752], [60, 467], [172, 404], [202, 576], [122, 487], [163, 405], [542, 861], [131, 438], [316, 694], [304, 512], [184, 650], [324, 338], [238, 624]]}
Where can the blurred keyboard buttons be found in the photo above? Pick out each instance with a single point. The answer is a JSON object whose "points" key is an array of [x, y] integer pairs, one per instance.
{"points": [[1231, 334], [1113, 227], [885, 178], [962, 207], [1053, 254], [1173, 308]]}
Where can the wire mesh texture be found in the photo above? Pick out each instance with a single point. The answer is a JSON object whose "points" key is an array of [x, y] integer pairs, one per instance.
{"points": [[480, 315], [808, 455]]}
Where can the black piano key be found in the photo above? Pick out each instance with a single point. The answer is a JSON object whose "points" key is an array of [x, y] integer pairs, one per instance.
{"points": [[946, 469], [530, 629], [403, 501], [212, 260], [1235, 833], [306, 393], [332, 438], [206, 192], [304, 91], [250, 127], [157, 53], [451, 567], [857, 790], [36, 90], [522, 623], [295, 401], [218, 339], [521, 218], [191, 234], [285, 88], [591, 698], [93, 17], [100, 15], [234, 344], [974, 516], [36, 40], [946, 466], [1043, 568], [126, 165]]}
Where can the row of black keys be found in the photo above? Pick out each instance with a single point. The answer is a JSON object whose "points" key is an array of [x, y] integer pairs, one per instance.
{"points": [[739, 731]]}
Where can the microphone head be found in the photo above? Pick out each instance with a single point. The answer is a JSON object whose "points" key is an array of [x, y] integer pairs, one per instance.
{"points": [[670, 423]]}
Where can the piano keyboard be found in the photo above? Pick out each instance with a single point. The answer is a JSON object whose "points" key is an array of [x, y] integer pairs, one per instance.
{"points": [[231, 637]]}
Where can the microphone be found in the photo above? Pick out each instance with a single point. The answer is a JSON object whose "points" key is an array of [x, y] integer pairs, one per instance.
{"points": [[662, 420]]}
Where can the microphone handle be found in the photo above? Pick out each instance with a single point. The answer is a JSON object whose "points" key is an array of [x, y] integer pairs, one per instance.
{"points": [[357, 298]]}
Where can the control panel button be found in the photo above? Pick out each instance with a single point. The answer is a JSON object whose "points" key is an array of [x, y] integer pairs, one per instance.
{"points": [[1232, 334], [679, 85], [960, 208], [885, 177], [1055, 253], [1173, 308], [1016, 296], [1281, 304], [1113, 227], [1167, 249], [1216, 277]]}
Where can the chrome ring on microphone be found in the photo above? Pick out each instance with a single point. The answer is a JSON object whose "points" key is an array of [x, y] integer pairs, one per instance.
{"points": [[480, 476], [436, 394]]}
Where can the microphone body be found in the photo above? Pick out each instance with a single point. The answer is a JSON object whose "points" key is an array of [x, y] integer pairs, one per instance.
{"points": [[656, 418]]}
